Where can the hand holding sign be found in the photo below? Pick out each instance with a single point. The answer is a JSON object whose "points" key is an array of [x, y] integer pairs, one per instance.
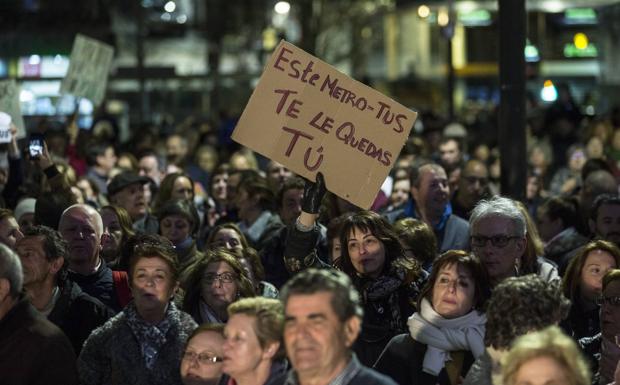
{"points": [[5, 128], [310, 117]]}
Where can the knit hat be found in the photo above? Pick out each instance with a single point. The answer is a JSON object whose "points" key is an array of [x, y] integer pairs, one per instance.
{"points": [[25, 206]]}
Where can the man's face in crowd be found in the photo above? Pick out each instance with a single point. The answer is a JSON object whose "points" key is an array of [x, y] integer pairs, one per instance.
{"points": [[9, 232], [150, 167], [83, 235], [499, 256], [291, 205], [277, 174], [131, 198], [450, 153], [316, 340], [547, 227], [607, 223], [473, 182], [37, 268], [433, 191]]}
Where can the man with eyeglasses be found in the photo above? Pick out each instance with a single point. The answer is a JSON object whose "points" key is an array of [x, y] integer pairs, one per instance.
{"points": [[473, 185], [498, 238]]}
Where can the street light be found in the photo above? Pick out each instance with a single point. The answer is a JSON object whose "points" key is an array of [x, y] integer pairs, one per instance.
{"points": [[282, 7]]}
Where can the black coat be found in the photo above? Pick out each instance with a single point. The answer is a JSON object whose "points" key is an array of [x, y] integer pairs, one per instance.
{"points": [[402, 360], [33, 350], [77, 314]]}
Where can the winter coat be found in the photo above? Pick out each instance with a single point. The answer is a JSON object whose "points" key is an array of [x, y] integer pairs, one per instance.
{"points": [[402, 360], [77, 314], [112, 354], [33, 351]]}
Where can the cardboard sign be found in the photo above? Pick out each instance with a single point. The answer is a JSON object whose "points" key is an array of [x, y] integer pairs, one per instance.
{"points": [[5, 127], [310, 117], [9, 103], [89, 66]]}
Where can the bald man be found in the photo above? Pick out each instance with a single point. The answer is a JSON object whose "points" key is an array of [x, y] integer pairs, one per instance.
{"points": [[81, 226]]}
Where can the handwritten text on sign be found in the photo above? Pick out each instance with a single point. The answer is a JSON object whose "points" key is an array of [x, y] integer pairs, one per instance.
{"points": [[310, 117]]}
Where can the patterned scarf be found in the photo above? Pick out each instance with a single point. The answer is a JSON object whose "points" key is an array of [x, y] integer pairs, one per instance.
{"points": [[385, 288], [151, 337]]}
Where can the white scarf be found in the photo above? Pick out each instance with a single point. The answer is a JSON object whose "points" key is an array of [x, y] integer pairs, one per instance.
{"points": [[443, 335]]}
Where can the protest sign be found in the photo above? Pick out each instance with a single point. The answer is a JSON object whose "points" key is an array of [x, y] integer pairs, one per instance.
{"points": [[89, 66], [310, 117], [9, 103]]}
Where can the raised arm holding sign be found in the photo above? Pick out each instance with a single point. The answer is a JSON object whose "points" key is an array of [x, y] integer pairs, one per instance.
{"points": [[310, 117]]}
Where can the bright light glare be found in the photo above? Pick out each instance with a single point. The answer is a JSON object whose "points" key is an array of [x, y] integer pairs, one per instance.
{"points": [[26, 96], [581, 40], [553, 6], [424, 11], [548, 92], [34, 59], [443, 18], [282, 7], [170, 6], [181, 19]]}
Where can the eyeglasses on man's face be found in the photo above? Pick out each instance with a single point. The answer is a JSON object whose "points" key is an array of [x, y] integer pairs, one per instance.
{"points": [[496, 240], [203, 358]]}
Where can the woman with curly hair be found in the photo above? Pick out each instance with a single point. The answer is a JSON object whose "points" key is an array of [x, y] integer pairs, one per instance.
{"points": [[545, 357], [446, 335], [518, 305], [372, 256], [583, 283], [214, 282]]}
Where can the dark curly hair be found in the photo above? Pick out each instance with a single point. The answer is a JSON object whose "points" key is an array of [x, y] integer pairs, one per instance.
{"points": [[520, 305], [53, 245], [379, 227], [419, 237]]}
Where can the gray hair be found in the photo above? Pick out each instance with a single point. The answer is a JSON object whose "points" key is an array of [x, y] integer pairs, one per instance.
{"points": [[498, 206], [11, 269]]}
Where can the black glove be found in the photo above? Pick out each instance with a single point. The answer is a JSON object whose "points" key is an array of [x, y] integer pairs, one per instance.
{"points": [[313, 195]]}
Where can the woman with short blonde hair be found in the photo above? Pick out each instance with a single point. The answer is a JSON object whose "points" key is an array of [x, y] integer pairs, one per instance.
{"points": [[549, 349]]}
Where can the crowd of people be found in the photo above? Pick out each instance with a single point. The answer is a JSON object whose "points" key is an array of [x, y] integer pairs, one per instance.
{"points": [[183, 259]]}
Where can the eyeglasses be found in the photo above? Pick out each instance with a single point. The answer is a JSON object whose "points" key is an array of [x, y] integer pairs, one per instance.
{"points": [[496, 240], [203, 358], [614, 301], [223, 278]]}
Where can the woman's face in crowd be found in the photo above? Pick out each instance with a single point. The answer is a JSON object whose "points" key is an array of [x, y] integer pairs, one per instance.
{"points": [[195, 371], [598, 262], [242, 351], [610, 310], [541, 370], [219, 285], [152, 284], [577, 160], [228, 239], [182, 189], [244, 203], [453, 291], [366, 251], [112, 231], [219, 187], [176, 228]]}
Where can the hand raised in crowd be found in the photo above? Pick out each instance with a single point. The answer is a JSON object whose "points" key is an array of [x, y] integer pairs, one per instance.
{"points": [[311, 203], [43, 160]]}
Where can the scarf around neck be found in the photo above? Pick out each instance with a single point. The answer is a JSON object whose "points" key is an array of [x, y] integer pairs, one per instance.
{"points": [[442, 335], [151, 337]]}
